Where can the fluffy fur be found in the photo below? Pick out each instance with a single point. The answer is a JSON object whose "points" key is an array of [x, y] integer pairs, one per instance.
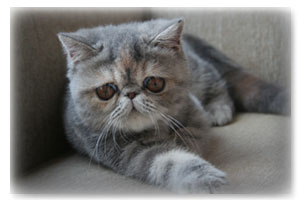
{"points": [[155, 137]]}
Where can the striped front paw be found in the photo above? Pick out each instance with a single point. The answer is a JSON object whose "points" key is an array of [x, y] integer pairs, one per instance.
{"points": [[184, 172]]}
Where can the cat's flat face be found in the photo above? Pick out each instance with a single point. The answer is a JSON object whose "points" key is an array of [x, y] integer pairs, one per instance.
{"points": [[129, 85]]}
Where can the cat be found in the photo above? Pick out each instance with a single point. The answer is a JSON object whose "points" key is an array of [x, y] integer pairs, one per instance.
{"points": [[142, 96]]}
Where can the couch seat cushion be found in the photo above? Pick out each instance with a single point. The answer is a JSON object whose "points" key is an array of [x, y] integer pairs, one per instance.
{"points": [[254, 151]]}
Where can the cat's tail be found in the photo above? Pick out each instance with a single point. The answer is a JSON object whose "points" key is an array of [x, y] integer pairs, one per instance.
{"points": [[248, 92]]}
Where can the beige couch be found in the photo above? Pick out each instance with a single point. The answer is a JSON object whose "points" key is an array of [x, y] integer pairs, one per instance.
{"points": [[254, 150]]}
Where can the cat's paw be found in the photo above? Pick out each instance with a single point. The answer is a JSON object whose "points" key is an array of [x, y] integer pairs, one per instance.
{"points": [[185, 172], [202, 179], [220, 114]]}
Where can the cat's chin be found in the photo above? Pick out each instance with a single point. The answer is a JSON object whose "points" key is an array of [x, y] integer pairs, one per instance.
{"points": [[136, 121]]}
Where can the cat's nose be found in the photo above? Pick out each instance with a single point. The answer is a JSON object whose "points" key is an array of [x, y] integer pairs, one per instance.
{"points": [[131, 95]]}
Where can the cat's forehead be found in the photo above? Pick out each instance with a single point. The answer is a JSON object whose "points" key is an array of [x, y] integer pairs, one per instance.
{"points": [[129, 53], [131, 38], [127, 49], [124, 63]]}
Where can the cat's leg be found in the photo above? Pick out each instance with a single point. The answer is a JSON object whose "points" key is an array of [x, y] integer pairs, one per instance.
{"points": [[220, 109], [211, 91], [183, 171], [173, 168], [249, 93]]}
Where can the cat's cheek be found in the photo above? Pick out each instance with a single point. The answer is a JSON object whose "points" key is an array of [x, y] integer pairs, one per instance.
{"points": [[104, 106]]}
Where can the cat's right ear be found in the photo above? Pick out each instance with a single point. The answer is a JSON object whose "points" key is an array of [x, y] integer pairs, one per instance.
{"points": [[76, 49]]}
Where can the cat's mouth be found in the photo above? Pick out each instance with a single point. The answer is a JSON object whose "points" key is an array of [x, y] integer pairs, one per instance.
{"points": [[136, 120], [134, 108]]}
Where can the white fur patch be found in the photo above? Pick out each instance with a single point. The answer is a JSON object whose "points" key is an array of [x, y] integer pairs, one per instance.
{"points": [[143, 118], [137, 122]]}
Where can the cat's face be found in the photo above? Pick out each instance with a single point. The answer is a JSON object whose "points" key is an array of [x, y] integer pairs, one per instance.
{"points": [[127, 83]]}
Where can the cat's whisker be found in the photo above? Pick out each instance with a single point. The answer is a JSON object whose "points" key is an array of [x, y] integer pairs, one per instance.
{"points": [[175, 131], [100, 137], [104, 134], [116, 122], [180, 124], [156, 127], [170, 124], [110, 121], [105, 139], [180, 128], [114, 131], [150, 109], [121, 133], [184, 128]]}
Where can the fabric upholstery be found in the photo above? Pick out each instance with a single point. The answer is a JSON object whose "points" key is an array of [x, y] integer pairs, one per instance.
{"points": [[254, 152]]}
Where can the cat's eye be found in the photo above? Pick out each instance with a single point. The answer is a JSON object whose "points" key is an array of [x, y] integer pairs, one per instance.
{"points": [[154, 84], [107, 91]]}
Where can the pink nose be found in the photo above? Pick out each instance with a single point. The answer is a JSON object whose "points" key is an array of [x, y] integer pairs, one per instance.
{"points": [[131, 95]]}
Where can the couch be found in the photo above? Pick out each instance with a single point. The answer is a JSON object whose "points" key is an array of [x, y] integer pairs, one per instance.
{"points": [[254, 150]]}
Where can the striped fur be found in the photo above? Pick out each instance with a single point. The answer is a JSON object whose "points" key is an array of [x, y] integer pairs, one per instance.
{"points": [[183, 171]]}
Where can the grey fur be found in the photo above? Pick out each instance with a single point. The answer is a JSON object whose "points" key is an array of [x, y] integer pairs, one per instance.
{"points": [[159, 141]]}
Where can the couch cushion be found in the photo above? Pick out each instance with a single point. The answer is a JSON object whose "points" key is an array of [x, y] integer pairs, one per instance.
{"points": [[74, 174], [254, 151]]}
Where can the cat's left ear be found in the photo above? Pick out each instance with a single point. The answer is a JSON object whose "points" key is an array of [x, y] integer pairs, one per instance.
{"points": [[171, 36]]}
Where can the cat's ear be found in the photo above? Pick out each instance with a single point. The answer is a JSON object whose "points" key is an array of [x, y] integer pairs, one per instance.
{"points": [[171, 36], [75, 48]]}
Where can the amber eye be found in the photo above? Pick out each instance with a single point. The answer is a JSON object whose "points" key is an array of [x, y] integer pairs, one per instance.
{"points": [[154, 84], [107, 91]]}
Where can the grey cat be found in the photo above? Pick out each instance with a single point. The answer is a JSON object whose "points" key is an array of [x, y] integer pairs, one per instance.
{"points": [[141, 98]]}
